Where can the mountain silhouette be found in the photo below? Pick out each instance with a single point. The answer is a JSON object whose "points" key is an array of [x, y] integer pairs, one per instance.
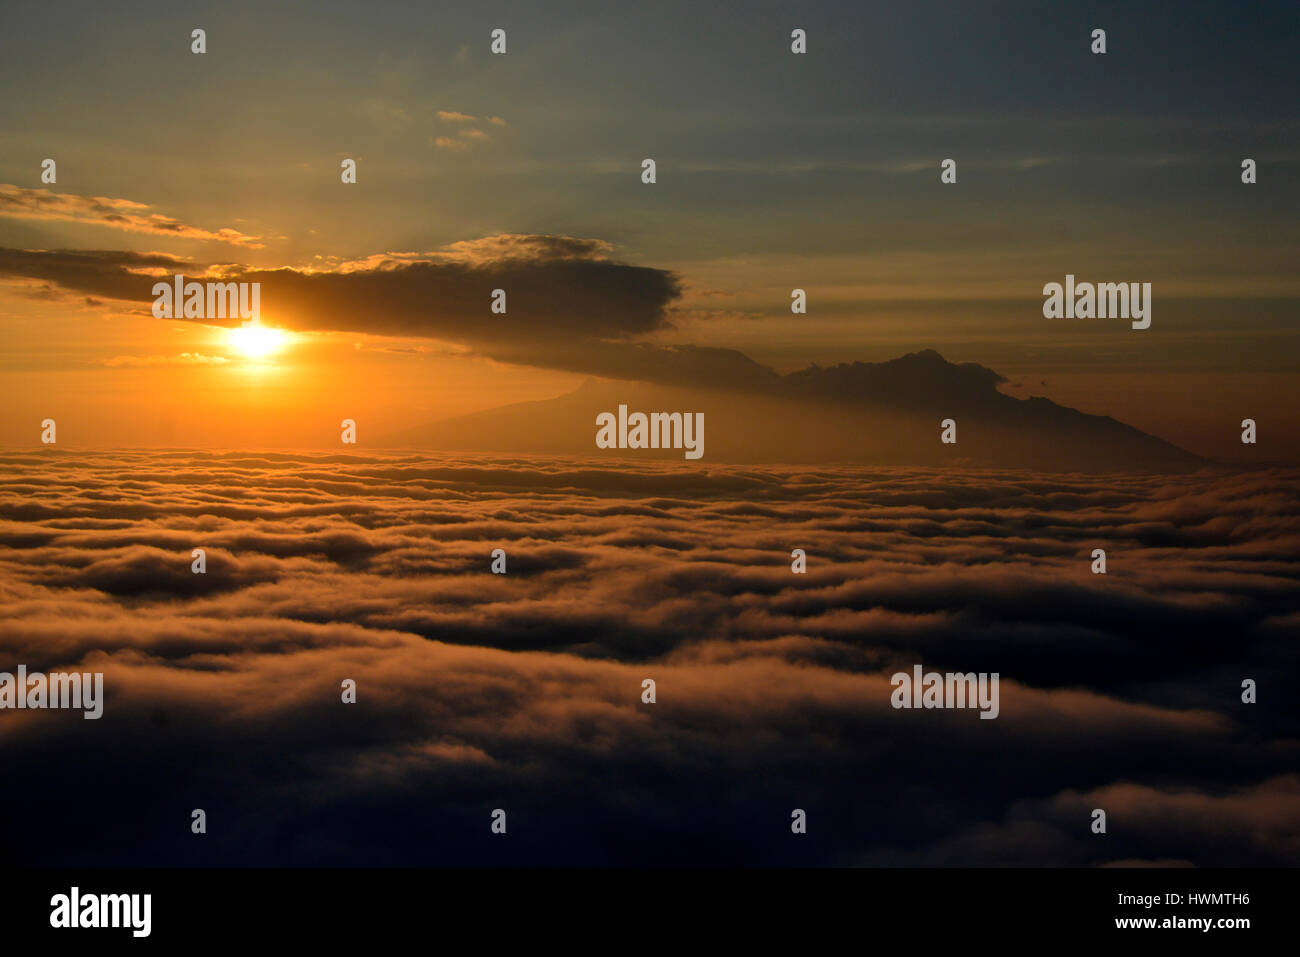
{"points": [[885, 413]]}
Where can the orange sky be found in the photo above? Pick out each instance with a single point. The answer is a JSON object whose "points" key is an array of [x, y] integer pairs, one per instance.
{"points": [[812, 173]]}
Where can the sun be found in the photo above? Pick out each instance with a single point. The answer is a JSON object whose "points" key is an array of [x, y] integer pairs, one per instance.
{"points": [[256, 341]]}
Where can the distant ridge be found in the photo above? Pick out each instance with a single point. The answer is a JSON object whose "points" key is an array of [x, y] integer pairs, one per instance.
{"points": [[885, 413]]}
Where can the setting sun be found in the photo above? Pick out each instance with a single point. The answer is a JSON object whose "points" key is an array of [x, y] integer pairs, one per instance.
{"points": [[256, 341]]}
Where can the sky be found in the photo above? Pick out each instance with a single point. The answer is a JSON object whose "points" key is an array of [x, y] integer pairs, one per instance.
{"points": [[775, 171]]}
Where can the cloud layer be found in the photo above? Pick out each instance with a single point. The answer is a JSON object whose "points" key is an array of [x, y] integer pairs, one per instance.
{"points": [[559, 289], [478, 691]]}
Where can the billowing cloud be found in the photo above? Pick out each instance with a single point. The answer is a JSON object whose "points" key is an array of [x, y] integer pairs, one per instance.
{"points": [[560, 289], [522, 690], [556, 286], [113, 274]]}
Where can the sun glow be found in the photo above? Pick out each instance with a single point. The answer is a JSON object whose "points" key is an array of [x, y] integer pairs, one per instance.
{"points": [[256, 341]]}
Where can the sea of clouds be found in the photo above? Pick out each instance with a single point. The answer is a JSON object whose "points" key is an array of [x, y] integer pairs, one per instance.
{"points": [[523, 691]]}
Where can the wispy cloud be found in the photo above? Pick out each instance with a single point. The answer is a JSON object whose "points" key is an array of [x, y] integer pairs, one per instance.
{"points": [[42, 204], [184, 359], [470, 132]]}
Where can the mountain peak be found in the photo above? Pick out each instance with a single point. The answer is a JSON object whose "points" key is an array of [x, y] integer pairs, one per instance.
{"points": [[886, 413]]}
